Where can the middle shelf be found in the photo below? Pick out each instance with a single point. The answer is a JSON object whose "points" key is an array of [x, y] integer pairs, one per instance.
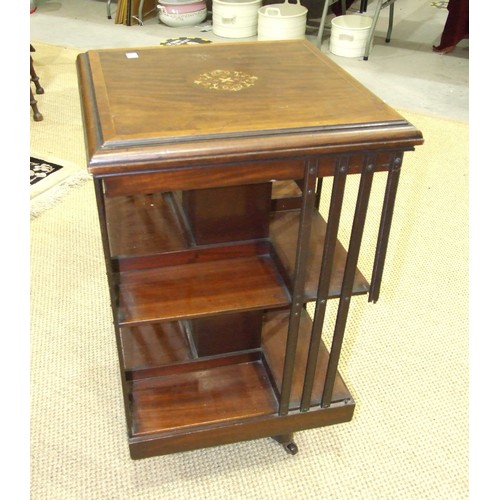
{"points": [[161, 275], [200, 289]]}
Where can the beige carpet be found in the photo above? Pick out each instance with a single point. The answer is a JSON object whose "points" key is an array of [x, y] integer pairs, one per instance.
{"points": [[405, 358]]}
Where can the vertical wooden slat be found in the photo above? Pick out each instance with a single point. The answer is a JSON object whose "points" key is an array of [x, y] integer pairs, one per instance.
{"points": [[308, 198], [385, 227], [348, 279], [335, 210]]}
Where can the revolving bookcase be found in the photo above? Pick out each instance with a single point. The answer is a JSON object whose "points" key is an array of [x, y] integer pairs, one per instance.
{"points": [[208, 164]]}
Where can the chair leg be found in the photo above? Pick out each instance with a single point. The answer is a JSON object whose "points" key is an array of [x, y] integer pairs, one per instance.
{"points": [[37, 116], [363, 6], [109, 9], [391, 21], [140, 13], [319, 38], [369, 40]]}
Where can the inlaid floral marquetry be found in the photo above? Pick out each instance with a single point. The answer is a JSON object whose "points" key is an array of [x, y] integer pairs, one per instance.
{"points": [[225, 80]]}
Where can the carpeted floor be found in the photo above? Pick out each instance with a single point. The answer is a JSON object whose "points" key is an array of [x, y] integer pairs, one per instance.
{"points": [[58, 138], [405, 359]]}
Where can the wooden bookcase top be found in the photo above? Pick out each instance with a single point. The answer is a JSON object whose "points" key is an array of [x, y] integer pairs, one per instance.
{"points": [[151, 104]]}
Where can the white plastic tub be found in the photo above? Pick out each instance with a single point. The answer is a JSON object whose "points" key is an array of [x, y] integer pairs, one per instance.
{"points": [[235, 18], [349, 35], [283, 21]]}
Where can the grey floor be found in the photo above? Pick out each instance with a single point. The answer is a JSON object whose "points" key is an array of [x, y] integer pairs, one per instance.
{"points": [[405, 73]]}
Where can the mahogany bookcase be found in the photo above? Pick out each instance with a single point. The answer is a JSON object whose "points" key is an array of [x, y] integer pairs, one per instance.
{"points": [[208, 163]]}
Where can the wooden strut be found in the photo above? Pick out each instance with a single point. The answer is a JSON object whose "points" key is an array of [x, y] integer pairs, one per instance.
{"points": [[324, 281], [348, 280], [385, 226], [308, 199]]}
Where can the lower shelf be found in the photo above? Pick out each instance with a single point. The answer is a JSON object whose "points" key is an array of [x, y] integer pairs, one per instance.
{"points": [[197, 403], [202, 397], [219, 417], [199, 289]]}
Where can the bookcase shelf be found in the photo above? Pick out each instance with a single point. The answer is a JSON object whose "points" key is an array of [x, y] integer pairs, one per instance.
{"points": [[209, 280], [200, 289], [177, 398]]}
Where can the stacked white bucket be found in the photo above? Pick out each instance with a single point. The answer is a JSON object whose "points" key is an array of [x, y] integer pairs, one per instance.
{"points": [[283, 21], [235, 18], [349, 35], [286, 21]]}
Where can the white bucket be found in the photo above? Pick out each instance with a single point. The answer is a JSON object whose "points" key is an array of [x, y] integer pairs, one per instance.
{"points": [[349, 35], [284, 21], [235, 18]]}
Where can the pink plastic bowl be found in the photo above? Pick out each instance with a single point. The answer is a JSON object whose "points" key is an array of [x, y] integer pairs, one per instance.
{"points": [[176, 8]]}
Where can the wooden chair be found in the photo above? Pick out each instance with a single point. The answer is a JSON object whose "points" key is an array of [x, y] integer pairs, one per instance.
{"points": [[37, 116]]}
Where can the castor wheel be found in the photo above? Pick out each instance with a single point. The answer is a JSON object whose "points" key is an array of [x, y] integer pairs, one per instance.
{"points": [[288, 443], [291, 448]]}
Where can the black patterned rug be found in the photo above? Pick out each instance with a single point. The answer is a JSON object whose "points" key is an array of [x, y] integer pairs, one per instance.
{"points": [[185, 40], [40, 169]]}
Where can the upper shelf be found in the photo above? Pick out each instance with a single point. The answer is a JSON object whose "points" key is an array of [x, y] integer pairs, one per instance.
{"points": [[144, 225]]}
